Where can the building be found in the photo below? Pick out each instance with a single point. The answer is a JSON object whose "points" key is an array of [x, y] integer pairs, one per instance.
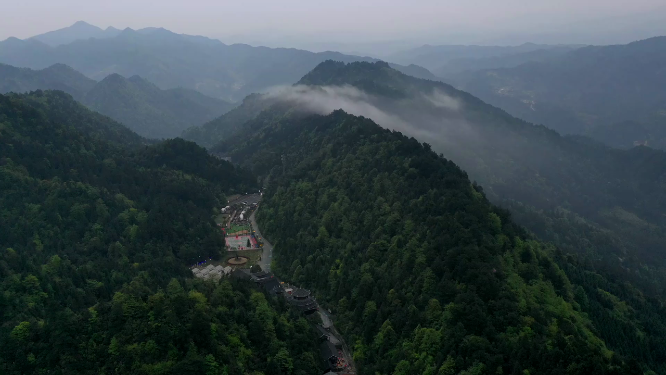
{"points": [[303, 301], [323, 334], [329, 355]]}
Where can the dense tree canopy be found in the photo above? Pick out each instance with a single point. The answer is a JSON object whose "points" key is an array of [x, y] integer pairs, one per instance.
{"points": [[94, 251], [425, 276]]}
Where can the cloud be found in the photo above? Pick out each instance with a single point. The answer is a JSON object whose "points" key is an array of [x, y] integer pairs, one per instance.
{"points": [[434, 118], [326, 99], [441, 100]]}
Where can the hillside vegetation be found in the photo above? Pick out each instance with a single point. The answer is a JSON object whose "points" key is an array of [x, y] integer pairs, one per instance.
{"points": [[135, 102], [97, 235], [600, 207], [423, 273]]}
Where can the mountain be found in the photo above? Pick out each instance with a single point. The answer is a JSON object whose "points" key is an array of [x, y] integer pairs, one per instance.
{"points": [[56, 77], [446, 59], [456, 66], [592, 91], [601, 207], [97, 241], [423, 274], [169, 60], [135, 102], [210, 133], [150, 111], [78, 31]]}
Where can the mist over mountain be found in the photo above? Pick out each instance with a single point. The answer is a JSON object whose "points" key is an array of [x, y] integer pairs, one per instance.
{"points": [[170, 60], [598, 90], [587, 199], [458, 210], [517, 162]]}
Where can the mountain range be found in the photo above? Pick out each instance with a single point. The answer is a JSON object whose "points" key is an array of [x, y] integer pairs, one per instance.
{"points": [[170, 60], [78, 31], [135, 102], [528, 167], [611, 93], [599, 208], [447, 60], [602, 206], [442, 234]]}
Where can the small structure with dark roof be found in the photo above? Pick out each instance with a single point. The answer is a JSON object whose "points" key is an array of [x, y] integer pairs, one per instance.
{"points": [[241, 274], [329, 355], [323, 334], [300, 294]]}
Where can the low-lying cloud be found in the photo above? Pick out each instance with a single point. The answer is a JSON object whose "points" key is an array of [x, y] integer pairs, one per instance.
{"points": [[394, 114], [326, 99]]}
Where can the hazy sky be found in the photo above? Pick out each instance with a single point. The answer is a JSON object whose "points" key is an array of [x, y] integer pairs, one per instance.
{"points": [[344, 21]]}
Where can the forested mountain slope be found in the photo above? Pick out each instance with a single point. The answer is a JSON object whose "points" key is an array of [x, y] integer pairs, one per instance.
{"points": [[424, 275], [587, 198], [150, 111], [94, 251], [601, 207], [593, 90], [135, 102], [225, 126], [56, 77], [170, 60], [616, 196]]}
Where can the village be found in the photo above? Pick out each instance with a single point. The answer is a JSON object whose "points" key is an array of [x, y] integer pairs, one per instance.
{"points": [[248, 258]]}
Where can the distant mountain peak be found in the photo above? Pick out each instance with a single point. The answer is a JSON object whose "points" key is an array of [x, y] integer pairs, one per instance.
{"points": [[83, 23], [79, 30], [114, 78]]}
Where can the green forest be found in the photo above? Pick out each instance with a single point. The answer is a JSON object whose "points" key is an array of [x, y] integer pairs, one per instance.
{"points": [[425, 270], [99, 228], [425, 276]]}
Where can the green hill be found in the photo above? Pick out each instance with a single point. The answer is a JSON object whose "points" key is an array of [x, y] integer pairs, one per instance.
{"points": [[150, 111], [94, 253], [228, 124], [601, 207], [423, 274], [135, 102], [56, 77]]}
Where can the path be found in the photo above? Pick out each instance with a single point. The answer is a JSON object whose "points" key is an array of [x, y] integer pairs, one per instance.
{"points": [[265, 263], [345, 349], [267, 253]]}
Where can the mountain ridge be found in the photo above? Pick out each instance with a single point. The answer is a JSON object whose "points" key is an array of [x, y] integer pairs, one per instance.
{"points": [[134, 101], [589, 91], [228, 72]]}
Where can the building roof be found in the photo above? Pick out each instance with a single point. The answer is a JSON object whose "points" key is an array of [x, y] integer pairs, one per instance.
{"points": [[241, 274], [301, 293], [328, 352], [261, 275], [323, 331]]}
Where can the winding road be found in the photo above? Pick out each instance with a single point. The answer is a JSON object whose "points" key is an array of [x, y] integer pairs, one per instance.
{"points": [[267, 254], [265, 263]]}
